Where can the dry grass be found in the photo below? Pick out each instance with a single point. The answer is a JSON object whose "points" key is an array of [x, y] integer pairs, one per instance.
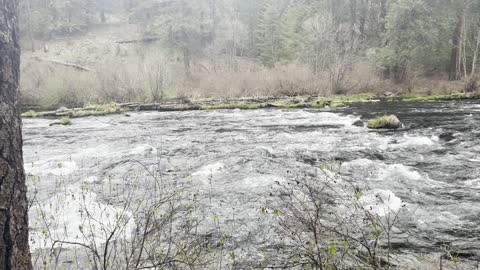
{"points": [[117, 80], [148, 76], [256, 80]]}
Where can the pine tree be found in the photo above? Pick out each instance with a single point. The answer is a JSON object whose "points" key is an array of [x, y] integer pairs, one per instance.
{"points": [[183, 26], [269, 34], [292, 31], [409, 35]]}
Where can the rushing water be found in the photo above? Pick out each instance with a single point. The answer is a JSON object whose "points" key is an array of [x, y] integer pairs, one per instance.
{"points": [[431, 165]]}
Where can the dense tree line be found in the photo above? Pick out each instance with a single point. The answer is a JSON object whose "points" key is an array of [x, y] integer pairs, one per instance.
{"points": [[400, 38]]}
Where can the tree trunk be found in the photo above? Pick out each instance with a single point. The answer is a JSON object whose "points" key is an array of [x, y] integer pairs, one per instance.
{"points": [[187, 57], [14, 248], [456, 56], [333, 11], [400, 74], [383, 15], [103, 18], [475, 54], [30, 26], [213, 17], [363, 17], [353, 22]]}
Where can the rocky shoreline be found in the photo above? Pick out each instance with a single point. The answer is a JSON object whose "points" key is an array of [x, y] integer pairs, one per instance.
{"points": [[240, 103]]}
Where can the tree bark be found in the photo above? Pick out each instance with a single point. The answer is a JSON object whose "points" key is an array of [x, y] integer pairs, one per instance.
{"points": [[187, 57], [103, 18], [455, 72], [383, 15], [30, 26], [475, 55], [14, 248], [213, 17], [353, 22], [363, 17], [333, 4]]}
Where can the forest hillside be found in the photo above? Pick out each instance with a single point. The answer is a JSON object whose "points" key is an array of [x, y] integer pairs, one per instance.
{"points": [[81, 52]]}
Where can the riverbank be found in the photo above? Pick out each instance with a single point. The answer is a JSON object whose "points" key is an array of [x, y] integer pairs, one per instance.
{"points": [[240, 103]]}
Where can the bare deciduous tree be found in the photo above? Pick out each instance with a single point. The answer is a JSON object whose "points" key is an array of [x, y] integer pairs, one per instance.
{"points": [[455, 62]]}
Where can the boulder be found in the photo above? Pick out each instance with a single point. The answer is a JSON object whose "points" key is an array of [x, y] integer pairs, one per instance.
{"points": [[358, 123], [385, 122], [62, 109], [447, 136], [65, 121]]}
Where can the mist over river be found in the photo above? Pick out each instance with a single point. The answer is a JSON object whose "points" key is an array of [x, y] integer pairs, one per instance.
{"points": [[232, 158]]}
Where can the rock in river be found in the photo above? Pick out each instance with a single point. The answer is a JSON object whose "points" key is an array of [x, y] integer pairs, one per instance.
{"points": [[447, 136], [386, 121], [358, 123]]}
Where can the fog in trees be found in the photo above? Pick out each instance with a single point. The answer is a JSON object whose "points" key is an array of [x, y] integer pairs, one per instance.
{"points": [[246, 134]]}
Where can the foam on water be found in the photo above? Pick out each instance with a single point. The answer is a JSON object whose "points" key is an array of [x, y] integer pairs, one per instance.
{"points": [[261, 181], [209, 169], [306, 118], [361, 162], [432, 219], [413, 141], [395, 175], [60, 168], [106, 151], [381, 202], [143, 149], [474, 183], [243, 152], [206, 172], [400, 172], [76, 215], [91, 179]]}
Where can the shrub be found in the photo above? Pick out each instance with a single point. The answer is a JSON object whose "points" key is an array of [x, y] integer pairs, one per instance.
{"points": [[328, 225], [471, 86], [144, 224]]}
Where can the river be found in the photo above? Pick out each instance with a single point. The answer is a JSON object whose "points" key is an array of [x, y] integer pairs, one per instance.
{"points": [[233, 157]]}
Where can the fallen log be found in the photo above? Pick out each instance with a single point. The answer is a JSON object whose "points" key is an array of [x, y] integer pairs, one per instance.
{"points": [[143, 40], [66, 64]]}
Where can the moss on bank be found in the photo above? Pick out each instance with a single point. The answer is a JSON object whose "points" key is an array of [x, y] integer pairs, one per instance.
{"points": [[233, 105], [91, 110], [64, 121], [337, 104], [408, 97], [31, 114], [244, 104]]}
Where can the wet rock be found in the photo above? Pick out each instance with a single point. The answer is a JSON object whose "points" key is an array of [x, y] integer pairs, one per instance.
{"points": [[389, 94], [447, 136], [358, 123], [377, 155], [337, 104], [386, 122], [62, 109], [65, 121]]}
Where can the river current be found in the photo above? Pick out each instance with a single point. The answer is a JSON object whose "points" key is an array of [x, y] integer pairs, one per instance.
{"points": [[430, 166]]}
